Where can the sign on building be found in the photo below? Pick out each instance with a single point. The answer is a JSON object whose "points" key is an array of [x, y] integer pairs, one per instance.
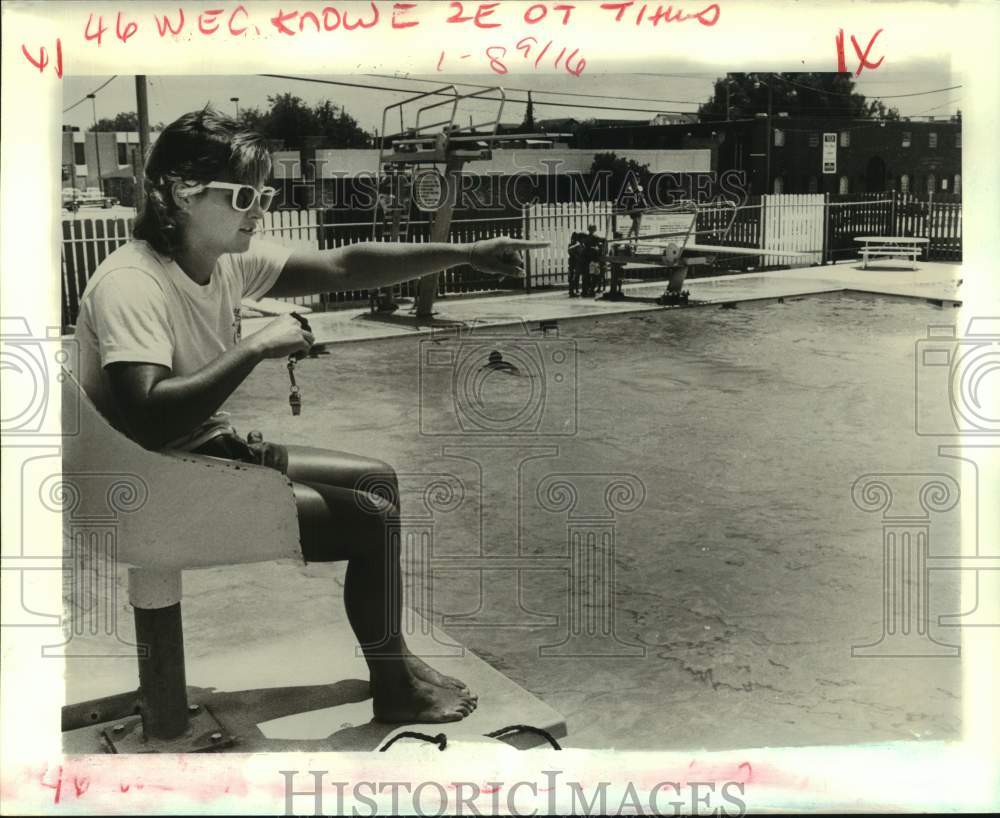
{"points": [[829, 153]]}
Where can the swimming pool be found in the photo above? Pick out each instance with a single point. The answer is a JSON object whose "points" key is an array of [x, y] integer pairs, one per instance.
{"points": [[746, 572]]}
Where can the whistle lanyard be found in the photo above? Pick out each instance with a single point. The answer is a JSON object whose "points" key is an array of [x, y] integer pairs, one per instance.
{"points": [[294, 398]]}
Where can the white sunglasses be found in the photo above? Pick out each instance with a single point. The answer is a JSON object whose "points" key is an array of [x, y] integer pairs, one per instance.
{"points": [[244, 196]]}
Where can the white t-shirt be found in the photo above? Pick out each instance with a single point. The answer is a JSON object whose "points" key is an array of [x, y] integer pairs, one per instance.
{"points": [[139, 306]]}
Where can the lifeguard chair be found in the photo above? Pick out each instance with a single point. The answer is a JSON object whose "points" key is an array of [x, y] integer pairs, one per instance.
{"points": [[162, 513]]}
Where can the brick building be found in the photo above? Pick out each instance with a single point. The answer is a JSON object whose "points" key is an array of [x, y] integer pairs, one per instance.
{"points": [[812, 154], [108, 160]]}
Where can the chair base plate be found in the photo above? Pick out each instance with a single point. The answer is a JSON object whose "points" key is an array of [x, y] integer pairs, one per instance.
{"points": [[205, 734]]}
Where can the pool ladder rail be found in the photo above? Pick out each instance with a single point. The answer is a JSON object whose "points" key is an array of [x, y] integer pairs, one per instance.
{"points": [[434, 138]]}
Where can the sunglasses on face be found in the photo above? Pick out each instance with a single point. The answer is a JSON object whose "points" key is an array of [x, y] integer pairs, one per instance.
{"points": [[244, 196]]}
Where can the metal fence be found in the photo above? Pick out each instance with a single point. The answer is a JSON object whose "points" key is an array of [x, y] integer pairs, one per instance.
{"points": [[937, 217], [822, 226]]}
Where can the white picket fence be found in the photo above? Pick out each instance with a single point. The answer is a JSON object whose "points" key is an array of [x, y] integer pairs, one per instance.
{"points": [[554, 223], [794, 221], [292, 228], [821, 230]]}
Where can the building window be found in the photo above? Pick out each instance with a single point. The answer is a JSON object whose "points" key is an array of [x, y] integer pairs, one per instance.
{"points": [[931, 182], [845, 139], [812, 185], [122, 153], [845, 185], [944, 183], [907, 138], [779, 185], [79, 154], [958, 139], [957, 189], [904, 183], [932, 139], [779, 138], [814, 139]]}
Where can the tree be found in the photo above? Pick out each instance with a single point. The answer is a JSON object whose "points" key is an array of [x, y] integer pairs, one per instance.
{"points": [[338, 128], [252, 119], [127, 121], [291, 121], [288, 120], [528, 126], [622, 175], [802, 94]]}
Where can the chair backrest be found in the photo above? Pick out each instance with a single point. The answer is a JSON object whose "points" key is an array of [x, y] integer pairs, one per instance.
{"points": [[168, 510]]}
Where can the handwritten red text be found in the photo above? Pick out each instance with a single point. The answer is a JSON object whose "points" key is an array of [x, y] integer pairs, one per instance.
{"points": [[539, 11], [208, 22], [43, 58], [863, 61], [483, 11], [707, 16]]}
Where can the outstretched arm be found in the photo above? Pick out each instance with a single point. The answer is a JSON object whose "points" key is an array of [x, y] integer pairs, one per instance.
{"points": [[371, 265]]}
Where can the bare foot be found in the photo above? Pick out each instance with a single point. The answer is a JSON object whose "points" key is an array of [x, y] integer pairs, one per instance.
{"points": [[424, 671], [409, 700]]}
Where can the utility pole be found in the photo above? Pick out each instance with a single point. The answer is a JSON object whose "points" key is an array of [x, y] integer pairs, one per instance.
{"points": [[767, 130], [142, 109], [142, 114], [767, 161], [97, 142]]}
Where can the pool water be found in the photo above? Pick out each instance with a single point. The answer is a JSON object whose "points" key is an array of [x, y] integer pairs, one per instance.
{"points": [[732, 554]]}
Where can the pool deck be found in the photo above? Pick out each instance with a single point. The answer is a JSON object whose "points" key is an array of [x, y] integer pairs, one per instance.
{"points": [[933, 281]]}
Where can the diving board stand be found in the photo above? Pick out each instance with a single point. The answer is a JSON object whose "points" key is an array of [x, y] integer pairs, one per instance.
{"points": [[429, 137], [672, 244]]}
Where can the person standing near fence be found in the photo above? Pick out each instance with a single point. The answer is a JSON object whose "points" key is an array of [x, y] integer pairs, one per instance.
{"points": [[161, 350], [590, 257], [635, 202], [576, 251]]}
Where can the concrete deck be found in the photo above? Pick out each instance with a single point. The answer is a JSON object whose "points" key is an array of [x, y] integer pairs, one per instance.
{"points": [[292, 680], [931, 280]]}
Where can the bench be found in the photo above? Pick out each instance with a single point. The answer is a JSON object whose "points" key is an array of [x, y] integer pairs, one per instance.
{"points": [[908, 247]]}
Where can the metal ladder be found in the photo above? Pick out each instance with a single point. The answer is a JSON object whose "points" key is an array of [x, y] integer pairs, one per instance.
{"points": [[434, 140], [393, 210]]}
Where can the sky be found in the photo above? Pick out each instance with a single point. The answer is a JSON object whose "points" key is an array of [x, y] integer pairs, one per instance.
{"points": [[684, 90]]}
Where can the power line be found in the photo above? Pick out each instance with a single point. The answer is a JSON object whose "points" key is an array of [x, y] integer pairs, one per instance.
{"points": [[691, 76], [852, 93], [780, 76], [441, 93], [87, 96], [555, 93], [938, 107]]}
